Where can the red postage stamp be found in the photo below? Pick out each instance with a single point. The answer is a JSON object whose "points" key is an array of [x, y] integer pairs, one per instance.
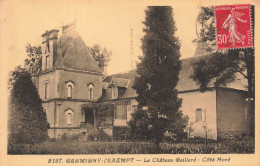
{"points": [[233, 26]]}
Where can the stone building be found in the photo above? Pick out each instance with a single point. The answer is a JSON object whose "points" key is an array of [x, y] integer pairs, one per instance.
{"points": [[70, 78]]}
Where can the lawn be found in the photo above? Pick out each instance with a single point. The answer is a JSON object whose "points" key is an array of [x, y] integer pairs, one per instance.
{"points": [[83, 147]]}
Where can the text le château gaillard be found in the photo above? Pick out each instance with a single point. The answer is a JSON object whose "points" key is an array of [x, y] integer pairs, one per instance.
{"points": [[188, 159]]}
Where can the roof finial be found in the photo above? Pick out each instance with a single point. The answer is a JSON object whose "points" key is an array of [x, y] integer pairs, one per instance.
{"points": [[68, 27]]}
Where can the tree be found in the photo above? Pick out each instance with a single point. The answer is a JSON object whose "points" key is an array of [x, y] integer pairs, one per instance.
{"points": [[222, 67], [158, 74], [33, 62], [101, 55], [27, 122], [140, 125]]}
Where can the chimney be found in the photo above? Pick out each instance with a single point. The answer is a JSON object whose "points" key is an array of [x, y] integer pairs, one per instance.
{"points": [[103, 67], [49, 49]]}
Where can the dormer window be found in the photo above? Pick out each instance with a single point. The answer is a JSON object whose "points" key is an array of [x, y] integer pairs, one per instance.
{"points": [[91, 91], [70, 86], [114, 92]]}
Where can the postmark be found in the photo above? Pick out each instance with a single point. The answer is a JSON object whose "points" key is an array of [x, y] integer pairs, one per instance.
{"points": [[233, 26]]}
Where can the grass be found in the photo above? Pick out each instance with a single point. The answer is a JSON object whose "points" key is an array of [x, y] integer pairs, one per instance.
{"points": [[83, 147]]}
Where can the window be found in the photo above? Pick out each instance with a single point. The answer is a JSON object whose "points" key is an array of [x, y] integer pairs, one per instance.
{"points": [[69, 118], [69, 91], [91, 91], [70, 86], [122, 109], [198, 115], [46, 90], [69, 114], [46, 110], [114, 92], [47, 62], [134, 107], [129, 112], [123, 102], [121, 112]]}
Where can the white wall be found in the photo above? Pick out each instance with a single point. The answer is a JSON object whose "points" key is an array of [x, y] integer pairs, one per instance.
{"points": [[207, 100]]}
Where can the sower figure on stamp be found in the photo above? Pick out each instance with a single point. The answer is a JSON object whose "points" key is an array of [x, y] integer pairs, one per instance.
{"points": [[235, 36]]}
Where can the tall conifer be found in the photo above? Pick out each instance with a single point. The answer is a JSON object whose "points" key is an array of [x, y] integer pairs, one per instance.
{"points": [[158, 74]]}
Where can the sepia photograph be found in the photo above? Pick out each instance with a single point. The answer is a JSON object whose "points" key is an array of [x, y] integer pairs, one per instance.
{"points": [[85, 82]]}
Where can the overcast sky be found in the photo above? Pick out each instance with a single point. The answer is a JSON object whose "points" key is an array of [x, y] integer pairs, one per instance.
{"points": [[106, 24]]}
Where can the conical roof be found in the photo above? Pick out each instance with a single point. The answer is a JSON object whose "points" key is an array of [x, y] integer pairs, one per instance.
{"points": [[74, 54]]}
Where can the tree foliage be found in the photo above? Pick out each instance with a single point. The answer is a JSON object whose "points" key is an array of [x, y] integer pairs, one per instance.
{"points": [[101, 55], [33, 62], [220, 68], [158, 74], [140, 125], [27, 122]]}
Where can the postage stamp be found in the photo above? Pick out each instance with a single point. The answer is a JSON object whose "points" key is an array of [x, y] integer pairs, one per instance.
{"points": [[233, 26]]}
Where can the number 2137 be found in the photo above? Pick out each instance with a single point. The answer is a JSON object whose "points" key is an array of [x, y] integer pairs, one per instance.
{"points": [[58, 160]]}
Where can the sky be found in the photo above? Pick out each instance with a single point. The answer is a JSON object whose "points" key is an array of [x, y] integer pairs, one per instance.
{"points": [[106, 24]]}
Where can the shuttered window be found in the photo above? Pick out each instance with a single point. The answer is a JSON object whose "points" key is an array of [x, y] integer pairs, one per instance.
{"points": [[198, 115], [121, 112]]}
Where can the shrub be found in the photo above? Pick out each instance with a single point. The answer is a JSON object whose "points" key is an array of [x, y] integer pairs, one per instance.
{"points": [[91, 131], [173, 137], [121, 133], [199, 140], [79, 147], [16, 148], [64, 136], [240, 144]]}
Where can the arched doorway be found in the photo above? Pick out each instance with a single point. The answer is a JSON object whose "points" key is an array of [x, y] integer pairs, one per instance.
{"points": [[89, 117]]}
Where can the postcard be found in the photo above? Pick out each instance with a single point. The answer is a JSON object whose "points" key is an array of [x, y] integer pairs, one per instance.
{"points": [[129, 82]]}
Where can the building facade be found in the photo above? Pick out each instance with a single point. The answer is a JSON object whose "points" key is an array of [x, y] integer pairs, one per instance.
{"points": [[70, 78]]}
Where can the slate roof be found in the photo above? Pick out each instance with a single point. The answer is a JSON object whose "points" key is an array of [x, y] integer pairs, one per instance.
{"points": [[74, 54], [121, 82], [123, 92], [185, 83]]}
